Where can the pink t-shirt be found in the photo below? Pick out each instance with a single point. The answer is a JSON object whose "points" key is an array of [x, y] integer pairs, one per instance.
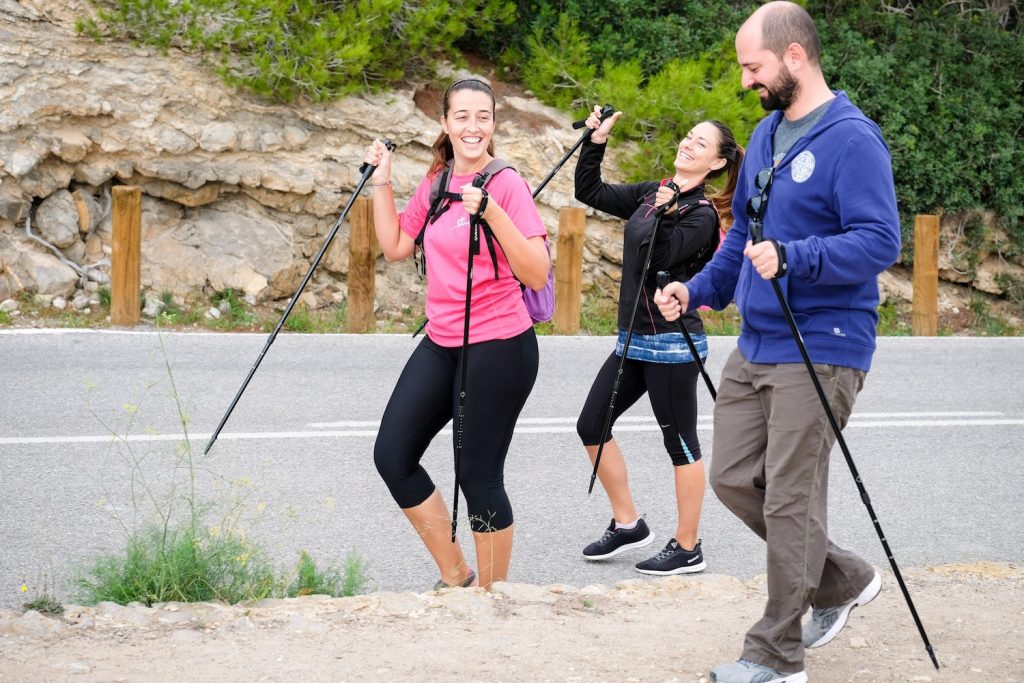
{"points": [[498, 311]]}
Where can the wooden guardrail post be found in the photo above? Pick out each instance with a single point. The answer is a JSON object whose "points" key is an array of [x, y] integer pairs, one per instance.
{"points": [[925, 306], [362, 267], [569, 269], [126, 255]]}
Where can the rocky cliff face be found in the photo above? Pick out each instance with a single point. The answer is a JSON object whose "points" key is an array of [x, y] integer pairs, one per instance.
{"points": [[237, 193]]}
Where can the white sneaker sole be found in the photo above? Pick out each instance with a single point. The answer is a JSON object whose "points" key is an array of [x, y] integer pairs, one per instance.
{"points": [[623, 548], [687, 569], [869, 593], [798, 677]]}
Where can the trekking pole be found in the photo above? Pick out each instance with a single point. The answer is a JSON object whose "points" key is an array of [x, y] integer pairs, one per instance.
{"points": [[659, 213], [757, 235], [474, 249], [606, 111], [662, 281], [366, 170]]}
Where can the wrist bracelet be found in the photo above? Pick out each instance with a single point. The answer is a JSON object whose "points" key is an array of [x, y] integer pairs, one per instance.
{"points": [[381, 183]]}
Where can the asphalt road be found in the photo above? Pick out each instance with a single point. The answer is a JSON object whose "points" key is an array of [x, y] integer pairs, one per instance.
{"points": [[91, 434]]}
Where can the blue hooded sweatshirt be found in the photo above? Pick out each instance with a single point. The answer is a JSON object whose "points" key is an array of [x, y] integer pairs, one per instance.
{"points": [[832, 205]]}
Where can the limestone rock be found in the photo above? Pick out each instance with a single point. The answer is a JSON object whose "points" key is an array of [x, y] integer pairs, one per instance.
{"points": [[57, 219], [45, 274]]}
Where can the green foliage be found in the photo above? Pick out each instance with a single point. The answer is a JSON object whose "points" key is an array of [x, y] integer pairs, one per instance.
{"points": [[45, 604], [650, 32], [559, 69], [300, 320], [319, 49], [658, 108], [234, 313], [181, 557], [988, 324], [5, 318], [311, 580], [659, 111], [943, 82], [182, 564], [722, 323], [941, 79], [893, 320], [599, 314]]}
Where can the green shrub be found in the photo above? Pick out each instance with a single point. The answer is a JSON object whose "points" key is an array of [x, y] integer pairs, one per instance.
{"points": [[941, 79], [658, 108], [312, 48], [311, 580], [183, 564], [943, 82], [650, 32]]}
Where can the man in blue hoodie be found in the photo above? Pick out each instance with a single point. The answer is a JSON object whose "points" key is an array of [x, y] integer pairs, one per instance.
{"points": [[818, 177]]}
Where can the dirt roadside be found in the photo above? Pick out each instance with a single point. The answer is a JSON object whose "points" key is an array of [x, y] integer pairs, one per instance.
{"points": [[667, 629]]}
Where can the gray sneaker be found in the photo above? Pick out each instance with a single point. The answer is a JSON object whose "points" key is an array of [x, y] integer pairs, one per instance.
{"points": [[826, 623], [746, 671], [466, 582]]}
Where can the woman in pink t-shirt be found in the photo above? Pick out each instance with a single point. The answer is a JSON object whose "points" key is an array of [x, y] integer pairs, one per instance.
{"points": [[502, 351]]}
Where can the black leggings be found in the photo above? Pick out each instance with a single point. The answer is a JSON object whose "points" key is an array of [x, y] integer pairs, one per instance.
{"points": [[672, 388], [500, 376]]}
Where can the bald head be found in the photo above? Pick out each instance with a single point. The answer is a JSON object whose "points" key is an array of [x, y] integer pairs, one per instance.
{"points": [[779, 25]]}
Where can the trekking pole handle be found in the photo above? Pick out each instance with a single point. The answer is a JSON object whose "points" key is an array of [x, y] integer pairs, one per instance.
{"points": [[387, 143], [606, 111], [675, 195]]}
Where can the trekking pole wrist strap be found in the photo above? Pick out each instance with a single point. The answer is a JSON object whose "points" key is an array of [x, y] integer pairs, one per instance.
{"points": [[780, 251], [483, 203]]}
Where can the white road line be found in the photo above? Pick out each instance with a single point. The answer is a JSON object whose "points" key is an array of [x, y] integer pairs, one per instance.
{"points": [[632, 424], [627, 418]]}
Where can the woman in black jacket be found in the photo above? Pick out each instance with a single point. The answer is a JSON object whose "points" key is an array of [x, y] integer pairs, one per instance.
{"points": [[659, 362]]}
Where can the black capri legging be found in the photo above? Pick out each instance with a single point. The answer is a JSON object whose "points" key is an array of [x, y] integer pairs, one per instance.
{"points": [[672, 388], [500, 378]]}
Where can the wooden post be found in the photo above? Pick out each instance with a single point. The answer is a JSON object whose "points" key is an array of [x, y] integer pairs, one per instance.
{"points": [[926, 276], [126, 256], [569, 270], [362, 267]]}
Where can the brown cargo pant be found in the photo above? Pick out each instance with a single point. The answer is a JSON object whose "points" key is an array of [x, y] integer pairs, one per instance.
{"points": [[769, 466]]}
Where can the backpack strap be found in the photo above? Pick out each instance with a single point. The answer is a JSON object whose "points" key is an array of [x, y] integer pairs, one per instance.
{"points": [[437, 197], [493, 168], [441, 198], [700, 259]]}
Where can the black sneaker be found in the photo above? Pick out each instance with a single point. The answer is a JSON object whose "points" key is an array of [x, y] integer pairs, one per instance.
{"points": [[615, 541], [674, 559]]}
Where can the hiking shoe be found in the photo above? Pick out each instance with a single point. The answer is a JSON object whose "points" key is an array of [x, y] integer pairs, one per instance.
{"points": [[674, 559], [466, 583], [826, 623], [615, 541], [746, 671]]}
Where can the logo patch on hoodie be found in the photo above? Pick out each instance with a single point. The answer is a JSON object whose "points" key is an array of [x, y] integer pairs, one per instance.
{"points": [[803, 166]]}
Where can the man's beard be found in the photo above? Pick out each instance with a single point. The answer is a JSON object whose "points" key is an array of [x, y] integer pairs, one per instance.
{"points": [[781, 93]]}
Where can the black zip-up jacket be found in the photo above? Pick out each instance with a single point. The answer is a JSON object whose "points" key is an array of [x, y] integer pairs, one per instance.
{"points": [[686, 239]]}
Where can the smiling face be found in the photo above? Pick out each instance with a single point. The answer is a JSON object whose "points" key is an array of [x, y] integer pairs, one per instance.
{"points": [[698, 153], [469, 124], [763, 70]]}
